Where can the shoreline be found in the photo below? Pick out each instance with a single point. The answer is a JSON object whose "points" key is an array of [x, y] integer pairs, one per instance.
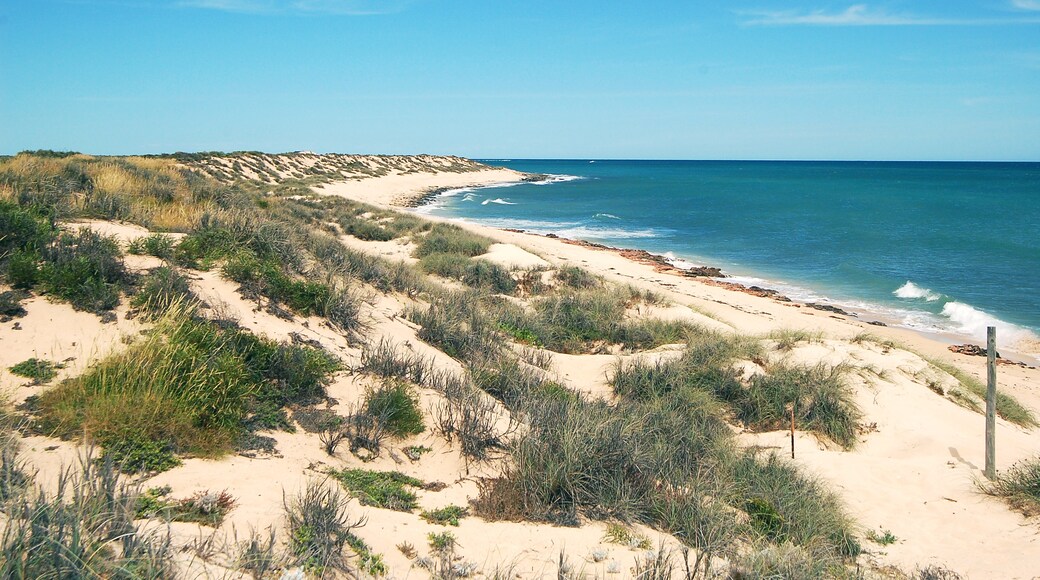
{"points": [[955, 342]]}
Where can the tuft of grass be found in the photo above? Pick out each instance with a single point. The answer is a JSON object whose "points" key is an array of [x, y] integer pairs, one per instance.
{"points": [[624, 536], [396, 406], [445, 516], [444, 264], [577, 278], [382, 489], [158, 245], [319, 527], [451, 239], [489, 276], [822, 401], [1019, 486], [162, 289], [1008, 408], [192, 386], [39, 370], [786, 339], [84, 529]]}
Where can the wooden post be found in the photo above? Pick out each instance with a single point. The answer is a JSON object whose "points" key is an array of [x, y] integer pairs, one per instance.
{"points": [[991, 402], [792, 430]]}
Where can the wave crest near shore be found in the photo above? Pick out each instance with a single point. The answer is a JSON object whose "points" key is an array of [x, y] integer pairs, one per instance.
{"points": [[911, 290]]}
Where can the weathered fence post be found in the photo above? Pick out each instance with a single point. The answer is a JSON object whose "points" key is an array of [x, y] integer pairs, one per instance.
{"points": [[991, 402], [792, 430]]}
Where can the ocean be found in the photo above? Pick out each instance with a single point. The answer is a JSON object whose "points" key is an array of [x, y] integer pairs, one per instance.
{"points": [[936, 247]]}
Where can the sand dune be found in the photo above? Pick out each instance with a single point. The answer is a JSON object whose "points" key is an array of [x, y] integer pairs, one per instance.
{"points": [[913, 472]]}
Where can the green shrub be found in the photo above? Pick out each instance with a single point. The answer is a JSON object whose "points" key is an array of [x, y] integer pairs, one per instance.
{"points": [[445, 516], [368, 230], [577, 278], [158, 245], [133, 453], [22, 230], [188, 388], [164, 288], [451, 239], [382, 489], [447, 265], [85, 269], [39, 370], [396, 406], [23, 269], [484, 274]]}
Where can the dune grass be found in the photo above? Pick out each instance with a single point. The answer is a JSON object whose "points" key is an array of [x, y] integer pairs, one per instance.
{"points": [[189, 387], [1019, 485], [1008, 408]]}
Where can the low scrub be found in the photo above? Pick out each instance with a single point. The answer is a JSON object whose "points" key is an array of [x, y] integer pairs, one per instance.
{"points": [[396, 405], [382, 489], [319, 527], [39, 370], [191, 386], [204, 507], [1019, 485], [451, 239], [822, 400], [84, 529]]}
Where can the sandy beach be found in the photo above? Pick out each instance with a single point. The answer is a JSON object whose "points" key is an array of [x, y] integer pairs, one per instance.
{"points": [[912, 473]]}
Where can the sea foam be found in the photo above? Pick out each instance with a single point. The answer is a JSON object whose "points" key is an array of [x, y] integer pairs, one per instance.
{"points": [[973, 322], [911, 290], [497, 200], [551, 178]]}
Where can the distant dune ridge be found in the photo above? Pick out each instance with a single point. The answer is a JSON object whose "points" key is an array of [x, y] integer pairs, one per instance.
{"points": [[273, 168], [297, 378]]}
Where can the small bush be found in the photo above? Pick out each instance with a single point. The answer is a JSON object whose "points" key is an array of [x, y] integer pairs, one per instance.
{"points": [[383, 489], [162, 289], [447, 265], [85, 269], [39, 370], [204, 507], [451, 239], [577, 278], [445, 516], [484, 274], [397, 406], [134, 453], [319, 527], [158, 245]]}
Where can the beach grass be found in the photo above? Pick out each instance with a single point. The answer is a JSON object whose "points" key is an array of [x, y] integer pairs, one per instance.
{"points": [[1019, 486], [189, 387]]}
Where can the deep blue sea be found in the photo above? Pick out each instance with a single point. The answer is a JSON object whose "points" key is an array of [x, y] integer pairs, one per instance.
{"points": [[933, 246]]}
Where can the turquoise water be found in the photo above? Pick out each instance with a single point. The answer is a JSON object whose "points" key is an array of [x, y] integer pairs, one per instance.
{"points": [[932, 246]]}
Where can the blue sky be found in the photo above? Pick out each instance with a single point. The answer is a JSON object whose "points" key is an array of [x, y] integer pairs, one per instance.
{"points": [[741, 79]]}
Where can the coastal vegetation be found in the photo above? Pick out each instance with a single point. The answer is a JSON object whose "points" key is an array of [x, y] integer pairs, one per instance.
{"points": [[660, 449]]}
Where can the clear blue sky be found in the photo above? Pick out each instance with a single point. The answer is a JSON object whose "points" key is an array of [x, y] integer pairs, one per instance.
{"points": [[741, 79]]}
